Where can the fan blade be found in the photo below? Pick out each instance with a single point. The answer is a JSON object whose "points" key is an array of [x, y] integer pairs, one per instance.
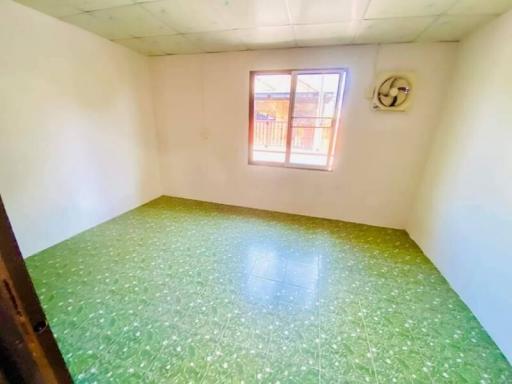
{"points": [[387, 101], [400, 98], [386, 86]]}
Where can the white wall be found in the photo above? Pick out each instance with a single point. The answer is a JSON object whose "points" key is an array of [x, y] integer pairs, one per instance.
{"points": [[463, 215], [77, 135], [202, 117]]}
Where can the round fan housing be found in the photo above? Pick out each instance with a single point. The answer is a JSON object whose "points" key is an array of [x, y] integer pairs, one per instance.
{"points": [[392, 92]]}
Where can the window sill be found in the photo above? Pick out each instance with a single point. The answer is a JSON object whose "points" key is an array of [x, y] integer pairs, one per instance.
{"points": [[290, 166]]}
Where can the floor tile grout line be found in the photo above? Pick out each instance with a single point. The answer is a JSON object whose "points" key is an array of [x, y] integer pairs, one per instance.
{"points": [[368, 341], [217, 343], [282, 282], [413, 337]]}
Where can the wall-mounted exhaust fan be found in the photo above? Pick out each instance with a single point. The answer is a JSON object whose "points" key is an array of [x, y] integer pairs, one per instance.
{"points": [[392, 92]]}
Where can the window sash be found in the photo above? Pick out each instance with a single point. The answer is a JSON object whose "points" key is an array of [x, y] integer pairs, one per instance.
{"points": [[334, 126]]}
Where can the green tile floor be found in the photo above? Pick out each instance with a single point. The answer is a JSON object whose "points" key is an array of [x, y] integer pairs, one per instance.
{"points": [[179, 291]]}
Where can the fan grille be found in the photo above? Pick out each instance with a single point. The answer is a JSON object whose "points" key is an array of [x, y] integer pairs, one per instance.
{"points": [[393, 91]]}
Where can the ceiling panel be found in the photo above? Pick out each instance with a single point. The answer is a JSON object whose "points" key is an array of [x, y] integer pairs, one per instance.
{"points": [[156, 27], [98, 26], [161, 45], [409, 8], [453, 28], [472, 7], [400, 30], [218, 41], [325, 11], [268, 37], [187, 16], [176, 44], [217, 15], [55, 8], [252, 13], [91, 5], [325, 34], [145, 45], [134, 21]]}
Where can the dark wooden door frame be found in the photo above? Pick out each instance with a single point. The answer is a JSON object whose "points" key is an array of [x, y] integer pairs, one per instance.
{"points": [[28, 350]]}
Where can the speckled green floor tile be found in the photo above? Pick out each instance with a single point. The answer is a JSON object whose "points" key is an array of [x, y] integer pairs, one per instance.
{"points": [[179, 291]]}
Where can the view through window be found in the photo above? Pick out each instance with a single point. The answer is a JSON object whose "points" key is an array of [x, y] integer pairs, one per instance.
{"points": [[295, 117]]}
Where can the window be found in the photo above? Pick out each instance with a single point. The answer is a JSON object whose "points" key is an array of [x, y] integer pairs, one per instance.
{"points": [[294, 117]]}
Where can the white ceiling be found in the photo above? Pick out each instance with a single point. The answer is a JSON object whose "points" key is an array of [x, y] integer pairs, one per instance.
{"points": [[160, 27]]}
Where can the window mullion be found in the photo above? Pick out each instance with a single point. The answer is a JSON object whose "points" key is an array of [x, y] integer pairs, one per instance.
{"points": [[291, 109], [335, 121]]}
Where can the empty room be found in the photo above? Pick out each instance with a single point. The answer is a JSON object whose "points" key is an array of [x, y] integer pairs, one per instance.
{"points": [[256, 191]]}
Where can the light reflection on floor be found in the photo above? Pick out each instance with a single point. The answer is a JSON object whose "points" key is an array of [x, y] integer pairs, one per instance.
{"points": [[273, 279]]}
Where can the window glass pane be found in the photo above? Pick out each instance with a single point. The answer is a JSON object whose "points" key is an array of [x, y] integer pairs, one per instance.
{"points": [[314, 118], [270, 120]]}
